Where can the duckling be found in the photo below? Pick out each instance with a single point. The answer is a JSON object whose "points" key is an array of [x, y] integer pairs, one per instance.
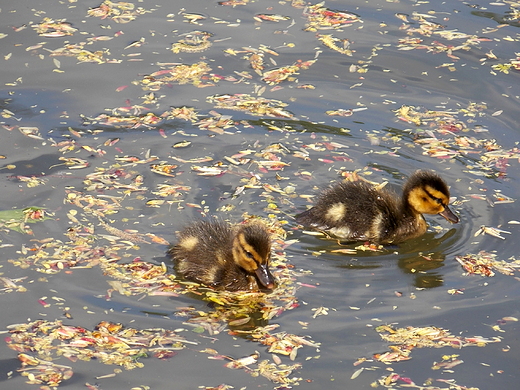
{"points": [[359, 211], [231, 258]]}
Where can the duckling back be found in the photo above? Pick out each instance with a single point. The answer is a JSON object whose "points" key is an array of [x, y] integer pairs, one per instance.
{"points": [[354, 211], [206, 252], [202, 251]]}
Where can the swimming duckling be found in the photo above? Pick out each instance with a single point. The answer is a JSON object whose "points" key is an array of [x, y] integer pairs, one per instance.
{"points": [[231, 258], [359, 211]]}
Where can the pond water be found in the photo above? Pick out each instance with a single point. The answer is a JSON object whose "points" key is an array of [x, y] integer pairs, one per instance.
{"points": [[92, 102]]}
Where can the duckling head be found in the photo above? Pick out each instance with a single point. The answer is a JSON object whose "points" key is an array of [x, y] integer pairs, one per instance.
{"points": [[427, 193], [252, 252]]}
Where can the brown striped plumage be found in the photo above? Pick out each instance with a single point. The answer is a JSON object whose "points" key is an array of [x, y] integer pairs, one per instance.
{"points": [[358, 211], [231, 258]]}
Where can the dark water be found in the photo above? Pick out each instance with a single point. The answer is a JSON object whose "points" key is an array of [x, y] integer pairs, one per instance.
{"points": [[403, 286]]}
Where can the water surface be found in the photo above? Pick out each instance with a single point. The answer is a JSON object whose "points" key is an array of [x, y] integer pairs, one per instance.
{"points": [[403, 286]]}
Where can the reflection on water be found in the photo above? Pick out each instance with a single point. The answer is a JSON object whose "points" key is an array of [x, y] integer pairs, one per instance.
{"points": [[39, 166], [299, 126], [506, 18], [418, 256], [432, 256]]}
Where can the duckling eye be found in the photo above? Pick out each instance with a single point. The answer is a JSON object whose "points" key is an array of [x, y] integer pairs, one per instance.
{"points": [[436, 200], [250, 255]]}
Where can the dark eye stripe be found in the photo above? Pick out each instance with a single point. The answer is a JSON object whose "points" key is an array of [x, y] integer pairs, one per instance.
{"points": [[438, 200]]}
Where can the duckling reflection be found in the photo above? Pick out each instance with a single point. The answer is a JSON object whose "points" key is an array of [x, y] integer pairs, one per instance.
{"points": [[423, 265], [238, 312], [359, 211], [228, 258]]}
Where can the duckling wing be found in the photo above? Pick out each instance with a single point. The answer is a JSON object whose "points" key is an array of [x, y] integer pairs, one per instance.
{"points": [[203, 252], [352, 210]]}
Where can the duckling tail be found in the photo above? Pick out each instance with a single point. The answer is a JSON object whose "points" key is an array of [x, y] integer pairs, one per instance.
{"points": [[448, 214], [265, 277], [306, 217]]}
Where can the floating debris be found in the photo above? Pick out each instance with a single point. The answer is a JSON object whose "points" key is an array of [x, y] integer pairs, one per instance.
{"points": [[186, 113], [332, 43], [129, 121], [270, 17], [484, 263], [193, 42], [429, 337], [181, 74], [82, 54], [193, 18], [51, 28], [276, 76], [446, 141], [253, 105], [128, 236], [344, 112], [164, 169], [40, 371], [495, 232], [513, 64], [320, 17], [406, 339], [108, 343], [448, 362], [31, 132], [11, 285], [17, 219], [120, 12], [392, 380]]}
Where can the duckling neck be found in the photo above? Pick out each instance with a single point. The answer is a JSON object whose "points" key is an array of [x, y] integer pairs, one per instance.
{"points": [[411, 224], [407, 209]]}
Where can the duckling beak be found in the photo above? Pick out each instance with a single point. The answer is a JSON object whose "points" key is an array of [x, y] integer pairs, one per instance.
{"points": [[264, 276], [448, 214]]}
